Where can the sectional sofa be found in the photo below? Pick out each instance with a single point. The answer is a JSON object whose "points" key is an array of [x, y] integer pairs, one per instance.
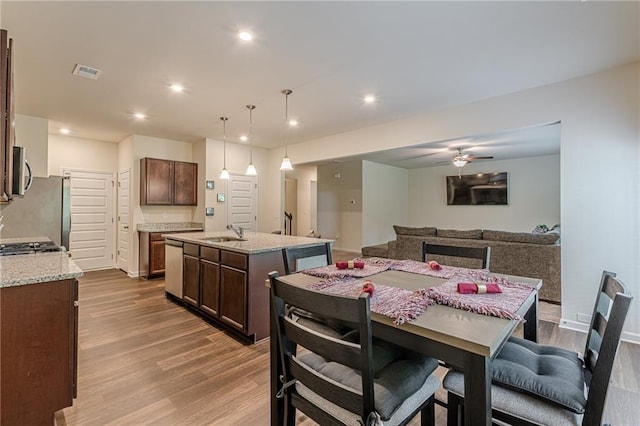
{"points": [[516, 253]]}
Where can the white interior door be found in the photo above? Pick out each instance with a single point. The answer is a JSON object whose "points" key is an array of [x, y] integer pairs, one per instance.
{"points": [[242, 200], [123, 221], [92, 236]]}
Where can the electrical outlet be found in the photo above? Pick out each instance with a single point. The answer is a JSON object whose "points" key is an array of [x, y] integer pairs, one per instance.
{"points": [[337, 237], [165, 215], [585, 318], [145, 216]]}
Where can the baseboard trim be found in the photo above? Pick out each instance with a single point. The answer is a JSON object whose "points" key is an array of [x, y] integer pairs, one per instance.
{"points": [[583, 327]]}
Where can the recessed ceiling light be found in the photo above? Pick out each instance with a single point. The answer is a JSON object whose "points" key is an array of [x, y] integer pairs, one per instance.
{"points": [[65, 131], [293, 123], [369, 99], [244, 138], [177, 87], [245, 35], [139, 115]]}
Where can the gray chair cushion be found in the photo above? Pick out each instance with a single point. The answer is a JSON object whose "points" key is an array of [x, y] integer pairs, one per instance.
{"points": [[399, 374], [546, 372]]}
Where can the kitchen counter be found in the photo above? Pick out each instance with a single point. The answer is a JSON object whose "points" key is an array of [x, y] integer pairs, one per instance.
{"points": [[169, 227], [36, 268], [256, 242]]}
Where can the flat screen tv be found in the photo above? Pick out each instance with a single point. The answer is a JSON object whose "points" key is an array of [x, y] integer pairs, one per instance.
{"points": [[478, 189]]}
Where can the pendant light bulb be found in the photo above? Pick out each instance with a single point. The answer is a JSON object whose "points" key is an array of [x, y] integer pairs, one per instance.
{"points": [[224, 173], [286, 162], [251, 169]]}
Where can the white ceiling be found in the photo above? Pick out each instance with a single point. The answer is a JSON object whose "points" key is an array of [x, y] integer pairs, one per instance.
{"points": [[414, 56]]}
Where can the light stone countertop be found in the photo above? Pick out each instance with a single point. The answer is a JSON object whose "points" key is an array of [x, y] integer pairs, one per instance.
{"points": [[25, 269], [24, 240], [172, 226], [256, 242]]}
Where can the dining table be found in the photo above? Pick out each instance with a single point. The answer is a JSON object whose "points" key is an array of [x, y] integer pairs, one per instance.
{"points": [[464, 340]]}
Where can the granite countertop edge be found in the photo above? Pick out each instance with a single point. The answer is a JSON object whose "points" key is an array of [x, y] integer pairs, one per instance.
{"points": [[256, 242], [169, 227], [19, 270]]}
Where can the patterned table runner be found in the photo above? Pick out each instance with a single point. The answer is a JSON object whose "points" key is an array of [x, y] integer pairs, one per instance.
{"points": [[397, 303], [372, 265]]}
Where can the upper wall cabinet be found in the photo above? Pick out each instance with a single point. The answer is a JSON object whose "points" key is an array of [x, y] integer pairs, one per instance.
{"points": [[168, 183]]}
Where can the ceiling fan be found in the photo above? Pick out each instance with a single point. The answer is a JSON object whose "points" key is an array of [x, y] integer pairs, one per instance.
{"points": [[460, 160]]}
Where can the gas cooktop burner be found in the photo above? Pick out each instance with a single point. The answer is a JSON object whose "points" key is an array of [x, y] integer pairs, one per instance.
{"points": [[28, 248]]}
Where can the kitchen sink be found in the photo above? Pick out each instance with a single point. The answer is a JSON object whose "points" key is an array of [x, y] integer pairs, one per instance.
{"points": [[221, 239]]}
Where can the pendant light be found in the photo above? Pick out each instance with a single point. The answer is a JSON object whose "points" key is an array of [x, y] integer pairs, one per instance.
{"points": [[286, 163], [224, 173], [251, 169]]}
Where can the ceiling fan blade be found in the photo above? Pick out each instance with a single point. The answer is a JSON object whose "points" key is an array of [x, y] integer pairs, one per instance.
{"points": [[473, 157]]}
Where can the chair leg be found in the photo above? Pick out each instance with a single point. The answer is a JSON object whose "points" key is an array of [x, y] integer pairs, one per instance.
{"points": [[455, 406], [428, 413]]}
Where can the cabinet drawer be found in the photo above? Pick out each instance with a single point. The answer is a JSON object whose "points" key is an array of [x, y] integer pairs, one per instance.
{"points": [[192, 249], [156, 236], [210, 253], [235, 260]]}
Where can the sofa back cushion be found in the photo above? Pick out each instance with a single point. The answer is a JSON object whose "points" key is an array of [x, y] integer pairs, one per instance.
{"points": [[471, 234], [521, 237], [420, 232]]}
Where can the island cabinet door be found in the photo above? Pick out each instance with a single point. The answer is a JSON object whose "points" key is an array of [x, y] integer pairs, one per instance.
{"points": [[210, 287], [233, 297], [191, 279]]}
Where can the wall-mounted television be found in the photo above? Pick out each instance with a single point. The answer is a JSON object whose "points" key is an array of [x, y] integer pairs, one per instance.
{"points": [[478, 189]]}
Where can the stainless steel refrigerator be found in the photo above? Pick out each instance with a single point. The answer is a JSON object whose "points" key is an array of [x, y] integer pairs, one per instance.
{"points": [[44, 211]]}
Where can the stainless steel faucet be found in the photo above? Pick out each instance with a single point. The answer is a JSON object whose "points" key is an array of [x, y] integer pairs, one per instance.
{"points": [[239, 231]]}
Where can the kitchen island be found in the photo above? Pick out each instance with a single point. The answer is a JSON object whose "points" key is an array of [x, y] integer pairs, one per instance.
{"points": [[38, 336], [223, 276]]}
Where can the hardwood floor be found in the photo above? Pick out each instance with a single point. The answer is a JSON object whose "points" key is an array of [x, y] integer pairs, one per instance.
{"points": [[146, 360]]}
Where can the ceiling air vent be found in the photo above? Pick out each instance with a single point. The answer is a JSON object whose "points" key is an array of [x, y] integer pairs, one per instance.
{"points": [[86, 72]]}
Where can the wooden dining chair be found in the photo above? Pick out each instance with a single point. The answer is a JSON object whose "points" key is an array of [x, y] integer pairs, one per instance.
{"points": [[481, 253], [356, 379], [535, 384], [293, 255]]}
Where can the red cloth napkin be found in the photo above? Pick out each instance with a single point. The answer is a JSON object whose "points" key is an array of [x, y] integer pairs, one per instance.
{"points": [[435, 266], [350, 265], [473, 288]]}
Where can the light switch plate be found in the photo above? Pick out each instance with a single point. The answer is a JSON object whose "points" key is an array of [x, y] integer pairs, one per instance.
{"points": [[210, 184], [209, 211], [220, 198]]}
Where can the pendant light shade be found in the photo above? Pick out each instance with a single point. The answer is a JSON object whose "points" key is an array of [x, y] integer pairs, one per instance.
{"points": [[224, 173], [286, 162], [251, 169]]}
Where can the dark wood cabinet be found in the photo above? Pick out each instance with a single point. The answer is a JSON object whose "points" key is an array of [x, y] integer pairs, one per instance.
{"points": [[191, 274], [168, 183], [38, 351], [233, 297], [185, 188], [152, 256], [229, 287]]}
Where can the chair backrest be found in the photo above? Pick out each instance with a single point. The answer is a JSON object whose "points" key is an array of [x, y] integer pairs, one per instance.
{"points": [[609, 313], [292, 256], [481, 253], [290, 333]]}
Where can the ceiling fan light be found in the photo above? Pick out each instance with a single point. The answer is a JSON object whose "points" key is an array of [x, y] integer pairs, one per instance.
{"points": [[286, 164], [459, 162]]}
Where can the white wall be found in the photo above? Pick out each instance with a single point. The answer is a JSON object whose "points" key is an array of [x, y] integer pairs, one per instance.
{"points": [[385, 201], [83, 154], [33, 134], [599, 217], [340, 204], [534, 196]]}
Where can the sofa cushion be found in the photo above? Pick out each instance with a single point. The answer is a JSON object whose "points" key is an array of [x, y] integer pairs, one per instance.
{"points": [[471, 234], [380, 250], [420, 232], [521, 237]]}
